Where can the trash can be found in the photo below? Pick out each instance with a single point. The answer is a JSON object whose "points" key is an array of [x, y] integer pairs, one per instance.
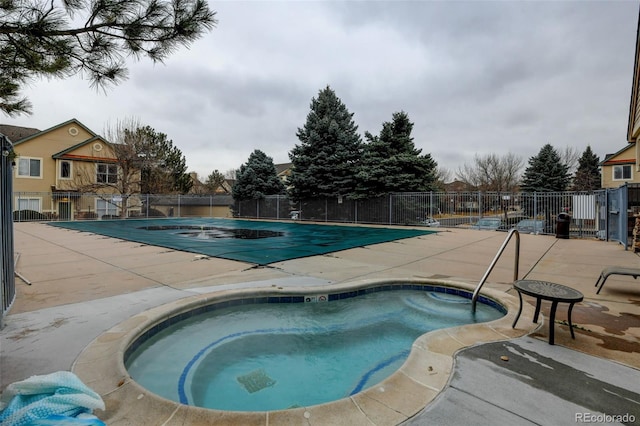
{"points": [[563, 224]]}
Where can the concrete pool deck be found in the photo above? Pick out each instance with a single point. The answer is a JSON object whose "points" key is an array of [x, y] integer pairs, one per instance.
{"points": [[84, 284]]}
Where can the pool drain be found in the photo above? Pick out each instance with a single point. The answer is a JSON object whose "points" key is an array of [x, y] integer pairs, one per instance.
{"points": [[255, 381]]}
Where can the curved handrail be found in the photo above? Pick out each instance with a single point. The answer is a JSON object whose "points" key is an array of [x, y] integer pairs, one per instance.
{"points": [[474, 299]]}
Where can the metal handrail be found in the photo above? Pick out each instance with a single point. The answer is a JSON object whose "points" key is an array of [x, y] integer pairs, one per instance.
{"points": [[474, 299]]}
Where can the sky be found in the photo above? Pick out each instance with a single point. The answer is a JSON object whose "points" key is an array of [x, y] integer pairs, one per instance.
{"points": [[475, 77]]}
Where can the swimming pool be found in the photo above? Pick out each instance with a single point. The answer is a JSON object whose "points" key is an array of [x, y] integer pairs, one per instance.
{"points": [[397, 398], [259, 242], [267, 354]]}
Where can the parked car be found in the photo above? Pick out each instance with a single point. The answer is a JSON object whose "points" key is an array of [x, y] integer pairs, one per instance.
{"points": [[431, 222], [488, 223], [530, 226], [511, 222]]}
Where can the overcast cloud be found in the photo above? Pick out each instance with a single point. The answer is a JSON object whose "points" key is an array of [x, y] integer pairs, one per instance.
{"points": [[476, 77]]}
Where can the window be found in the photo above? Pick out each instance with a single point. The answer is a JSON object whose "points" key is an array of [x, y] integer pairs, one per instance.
{"points": [[28, 204], [29, 167], [105, 207], [107, 173], [65, 170], [622, 172]]}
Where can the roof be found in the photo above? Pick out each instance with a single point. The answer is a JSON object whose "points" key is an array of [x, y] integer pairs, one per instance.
{"points": [[283, 167], [65, 154], [608, 162], [73, 120], [15, 133]]}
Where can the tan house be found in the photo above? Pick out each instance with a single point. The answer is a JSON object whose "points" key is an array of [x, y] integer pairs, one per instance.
{"points": [[283, 171], [200, 187], [54, 167], [620, 168], [624, 166]]}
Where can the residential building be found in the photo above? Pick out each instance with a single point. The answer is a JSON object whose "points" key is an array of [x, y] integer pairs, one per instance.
{"points": [[200, 187], [620, 168], [284, 171], [56, 166], [624, 166]]}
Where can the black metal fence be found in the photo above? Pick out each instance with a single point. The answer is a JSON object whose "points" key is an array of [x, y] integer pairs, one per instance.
{"points": [[589, 211], [73, 205], [7, 267], [445, 209]]}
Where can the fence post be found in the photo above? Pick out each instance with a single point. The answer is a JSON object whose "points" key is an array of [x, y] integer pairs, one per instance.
{"points": [[430, 203], [326, 209], [355, 213], [7, 267]]}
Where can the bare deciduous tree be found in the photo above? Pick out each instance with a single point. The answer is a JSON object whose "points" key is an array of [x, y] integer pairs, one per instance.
{"points": [[569, 156], [122, 176], [443, 176], [492, 172], [231, 173]]}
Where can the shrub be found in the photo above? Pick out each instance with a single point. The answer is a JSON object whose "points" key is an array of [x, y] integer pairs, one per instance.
{"points": [[28, 216], [87, 215]]}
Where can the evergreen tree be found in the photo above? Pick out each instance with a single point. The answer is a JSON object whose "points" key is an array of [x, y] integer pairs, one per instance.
{"points": [[391, 162], [587, 177], [214, 181], [546, 172], [164, 169], [256, 178], [326, 161], [147, 160], [37, 39]]}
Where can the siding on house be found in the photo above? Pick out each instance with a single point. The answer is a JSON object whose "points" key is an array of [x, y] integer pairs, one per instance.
{"points": [[625, 157], [63, 158]]}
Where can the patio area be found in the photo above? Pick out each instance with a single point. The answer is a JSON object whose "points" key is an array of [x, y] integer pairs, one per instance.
{"points": [[83, 284]]}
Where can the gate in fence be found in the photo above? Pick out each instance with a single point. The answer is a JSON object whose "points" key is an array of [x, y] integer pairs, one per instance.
{"points": [[614, 212]]}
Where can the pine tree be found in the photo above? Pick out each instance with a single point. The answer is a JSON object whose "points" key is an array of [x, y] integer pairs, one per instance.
{"points": [[148, 162], [546, 172], [164, 169], [326, 161], [38, 39], [256, 178], [587, 177], [214, 181], [391, 162]]}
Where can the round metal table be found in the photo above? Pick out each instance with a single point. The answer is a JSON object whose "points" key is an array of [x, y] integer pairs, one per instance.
{"points": [[544, 290]]}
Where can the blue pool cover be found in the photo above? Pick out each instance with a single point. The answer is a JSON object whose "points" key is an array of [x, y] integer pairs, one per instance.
{"points": [[244, 240]]}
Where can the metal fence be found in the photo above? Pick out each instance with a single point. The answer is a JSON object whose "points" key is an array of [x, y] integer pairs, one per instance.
{"points": [[7, 267], [70, 205], [591, 212], [450, 209]]}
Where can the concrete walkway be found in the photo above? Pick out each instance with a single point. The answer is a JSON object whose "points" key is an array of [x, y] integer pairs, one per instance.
{"points": [[83, 284]]}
